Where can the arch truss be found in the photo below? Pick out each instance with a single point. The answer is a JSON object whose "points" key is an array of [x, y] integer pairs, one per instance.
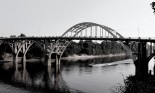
{"points": [[87, 29]]}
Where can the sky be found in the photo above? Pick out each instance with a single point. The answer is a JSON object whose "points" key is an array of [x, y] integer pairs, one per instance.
{"points": [[54, 17]]}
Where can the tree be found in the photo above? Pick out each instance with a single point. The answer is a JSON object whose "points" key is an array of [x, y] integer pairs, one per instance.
{"points": [[22, 35], [13, 36], [94, 48]]}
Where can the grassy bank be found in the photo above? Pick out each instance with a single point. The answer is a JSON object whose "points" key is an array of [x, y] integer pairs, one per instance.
{"points": [[136, 85]]}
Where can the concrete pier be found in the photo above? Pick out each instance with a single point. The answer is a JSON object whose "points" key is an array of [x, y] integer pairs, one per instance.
{"points": [[15, 62], [47, 61], [141, 64]]}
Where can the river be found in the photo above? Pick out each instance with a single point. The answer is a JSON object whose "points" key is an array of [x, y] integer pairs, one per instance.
{"points": [[98, 75]]}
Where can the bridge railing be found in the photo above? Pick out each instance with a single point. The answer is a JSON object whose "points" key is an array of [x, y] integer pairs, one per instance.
{"points": [[140, 37]]}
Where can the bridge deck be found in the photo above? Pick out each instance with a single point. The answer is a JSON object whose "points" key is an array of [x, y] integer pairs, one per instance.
{"points": [[80, 38]]}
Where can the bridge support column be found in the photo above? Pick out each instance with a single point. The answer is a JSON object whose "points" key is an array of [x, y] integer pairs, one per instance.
{"points": [[57, 64], [24, 62], [15, 61], [141, 65], [57, 60], [47, 61]]}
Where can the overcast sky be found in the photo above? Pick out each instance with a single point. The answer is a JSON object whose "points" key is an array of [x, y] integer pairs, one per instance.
{"points": [[54, 17]]}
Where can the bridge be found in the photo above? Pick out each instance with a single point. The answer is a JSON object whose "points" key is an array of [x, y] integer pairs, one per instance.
{"points": [[140, 50]]}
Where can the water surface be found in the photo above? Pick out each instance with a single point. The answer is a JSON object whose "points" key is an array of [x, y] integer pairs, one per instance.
{"points": [[99, 75]]}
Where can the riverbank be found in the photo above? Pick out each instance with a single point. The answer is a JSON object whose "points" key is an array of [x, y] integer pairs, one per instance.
{"points": [[134, 84], [86, 57], [74, 57], [126, 61]]}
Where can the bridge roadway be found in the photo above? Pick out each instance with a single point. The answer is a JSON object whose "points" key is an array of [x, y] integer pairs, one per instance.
{"points": [[81, 38]]}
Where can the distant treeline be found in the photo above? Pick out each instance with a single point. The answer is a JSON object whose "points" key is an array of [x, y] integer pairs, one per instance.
{"points": [[93, 48], [87, 47]]}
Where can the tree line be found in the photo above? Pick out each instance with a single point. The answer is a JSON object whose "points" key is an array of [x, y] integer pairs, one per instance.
{"points": [[87, 47]]}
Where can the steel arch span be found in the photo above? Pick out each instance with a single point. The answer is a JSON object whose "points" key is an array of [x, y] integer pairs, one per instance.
{"points": [[88, 29]]}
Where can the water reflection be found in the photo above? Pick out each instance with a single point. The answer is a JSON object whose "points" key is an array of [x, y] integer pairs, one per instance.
{"points": [[85, 65], [35, 78], [97, 78], [71, 76]]}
